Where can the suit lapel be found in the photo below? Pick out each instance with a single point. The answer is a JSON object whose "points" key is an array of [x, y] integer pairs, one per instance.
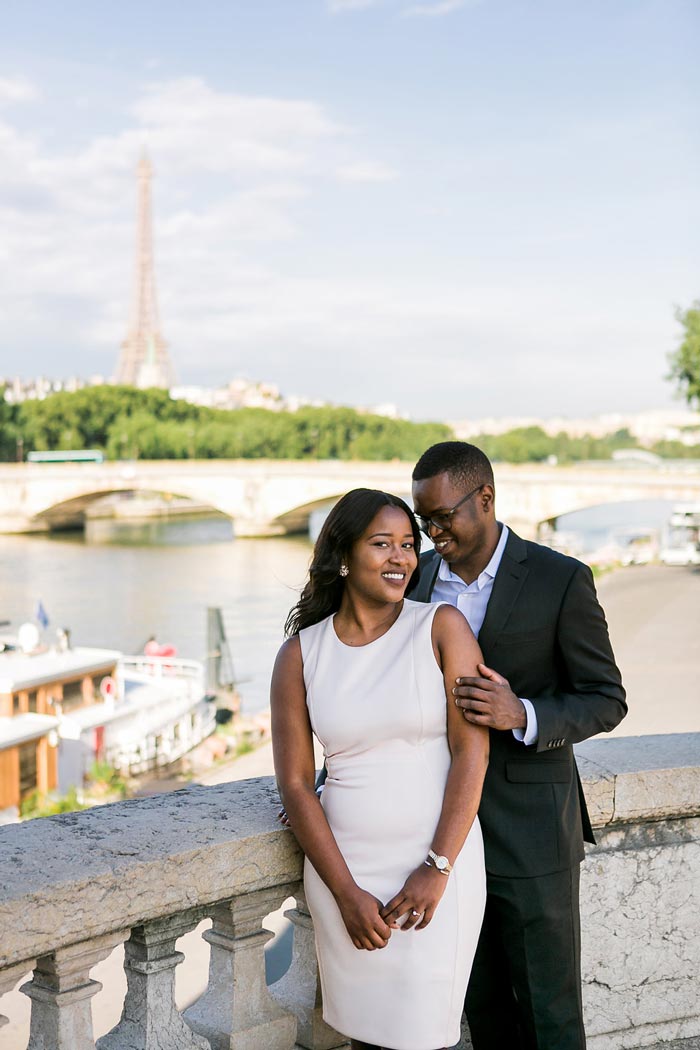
{"points": [[429, 566], [511, 575]]}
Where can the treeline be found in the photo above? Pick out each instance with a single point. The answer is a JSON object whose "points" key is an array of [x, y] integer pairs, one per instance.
{"points": [[126, 423], [533, 445]]}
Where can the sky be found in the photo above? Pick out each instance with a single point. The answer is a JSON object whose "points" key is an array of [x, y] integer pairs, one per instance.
{"points": [[466, 208]]}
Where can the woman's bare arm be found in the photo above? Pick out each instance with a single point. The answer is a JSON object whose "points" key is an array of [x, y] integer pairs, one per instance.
{"points": [[292, 745], [455, 648]]}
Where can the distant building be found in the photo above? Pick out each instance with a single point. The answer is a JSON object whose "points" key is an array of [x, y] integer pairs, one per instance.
{"points": [[144, 360], [647, 427], [239, 393], [40, 387]]}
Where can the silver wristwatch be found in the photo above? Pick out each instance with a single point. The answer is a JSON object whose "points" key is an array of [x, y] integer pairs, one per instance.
{"points": [[441, 863]]}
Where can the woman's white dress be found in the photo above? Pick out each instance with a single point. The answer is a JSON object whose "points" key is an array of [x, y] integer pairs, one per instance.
{"points": [[379, 710]]}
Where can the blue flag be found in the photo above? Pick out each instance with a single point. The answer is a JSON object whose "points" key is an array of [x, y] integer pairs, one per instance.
{"points": [[40, 616]]}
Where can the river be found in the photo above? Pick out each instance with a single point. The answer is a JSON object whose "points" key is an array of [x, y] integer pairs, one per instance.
{"points": [[119, 594]]}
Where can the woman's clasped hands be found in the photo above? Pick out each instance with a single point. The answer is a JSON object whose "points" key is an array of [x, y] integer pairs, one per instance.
{"points": [[415, 903], [361, 913], [369, 923]]}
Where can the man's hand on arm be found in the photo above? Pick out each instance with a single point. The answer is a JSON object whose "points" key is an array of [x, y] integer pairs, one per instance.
{"points": [[489, 701]]}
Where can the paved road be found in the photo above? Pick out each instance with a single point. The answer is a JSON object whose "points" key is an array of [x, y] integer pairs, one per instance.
{"points": [[654, 617]]}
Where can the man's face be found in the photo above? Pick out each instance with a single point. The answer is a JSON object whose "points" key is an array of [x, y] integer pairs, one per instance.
{"points": [[464, 535]]}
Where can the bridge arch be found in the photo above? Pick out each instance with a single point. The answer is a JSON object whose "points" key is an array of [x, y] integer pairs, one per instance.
{"points": [[298, 519], [575, 530], [72, 513]]}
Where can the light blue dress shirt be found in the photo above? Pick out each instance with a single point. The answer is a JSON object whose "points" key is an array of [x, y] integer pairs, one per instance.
{"points": [[472, 600]]}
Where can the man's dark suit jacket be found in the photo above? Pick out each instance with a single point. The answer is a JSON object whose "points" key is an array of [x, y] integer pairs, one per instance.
{"points": [[546, 633]]}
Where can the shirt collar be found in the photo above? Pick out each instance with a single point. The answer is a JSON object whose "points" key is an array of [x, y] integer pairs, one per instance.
{"points": [[487, 574]]}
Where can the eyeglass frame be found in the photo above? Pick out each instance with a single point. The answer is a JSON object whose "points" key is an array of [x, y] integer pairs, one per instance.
{"points": [[424, 523]]}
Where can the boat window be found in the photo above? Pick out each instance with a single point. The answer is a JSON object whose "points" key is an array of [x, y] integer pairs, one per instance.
{"points": [[27, 769], [72, 696], [32, 702]]}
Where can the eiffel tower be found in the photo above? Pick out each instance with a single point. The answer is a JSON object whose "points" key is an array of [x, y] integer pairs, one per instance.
{"points": [[144, 361]]}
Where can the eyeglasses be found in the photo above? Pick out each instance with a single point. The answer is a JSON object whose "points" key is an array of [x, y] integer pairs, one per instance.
{"points": [[443, 519]]}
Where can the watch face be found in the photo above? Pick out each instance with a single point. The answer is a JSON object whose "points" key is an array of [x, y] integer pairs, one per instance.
{"points": [[441, 862]]}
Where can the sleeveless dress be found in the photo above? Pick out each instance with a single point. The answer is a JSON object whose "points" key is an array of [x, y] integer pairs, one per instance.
{"points": [[379, 711]]}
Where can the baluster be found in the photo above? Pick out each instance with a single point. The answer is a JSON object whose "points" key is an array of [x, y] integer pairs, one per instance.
{"points": [[236, 1012], [61, 990], [299, 990], [9, 978], [150, 1019]]}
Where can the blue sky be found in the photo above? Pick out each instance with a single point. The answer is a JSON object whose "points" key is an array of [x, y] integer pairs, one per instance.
{"points": [[466, 208]]}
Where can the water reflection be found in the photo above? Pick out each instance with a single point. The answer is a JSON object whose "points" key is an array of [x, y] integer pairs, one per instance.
{"points": [[158, 532]]}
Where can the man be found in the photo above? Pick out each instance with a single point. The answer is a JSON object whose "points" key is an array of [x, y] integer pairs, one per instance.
{"points": [[549, 680]]}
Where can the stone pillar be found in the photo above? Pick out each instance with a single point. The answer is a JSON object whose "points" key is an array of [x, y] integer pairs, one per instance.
{"points": [[61, 991], [236, 1012], [150, 1020], [299, 991], [256, 527], [9, 978]]}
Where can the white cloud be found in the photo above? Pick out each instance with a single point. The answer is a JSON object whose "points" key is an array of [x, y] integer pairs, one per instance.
{"points": [[434, 10], [340, 6], [189, 102], [17, 90], [367, 171]]}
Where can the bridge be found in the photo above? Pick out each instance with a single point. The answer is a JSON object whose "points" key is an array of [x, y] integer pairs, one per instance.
{"points": [[274, 497]]}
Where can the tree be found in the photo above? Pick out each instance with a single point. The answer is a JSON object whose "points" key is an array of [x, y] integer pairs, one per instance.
{"points": [[685, 362], [10, 436]]}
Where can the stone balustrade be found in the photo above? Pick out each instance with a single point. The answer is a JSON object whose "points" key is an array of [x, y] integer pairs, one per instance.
{"points": [[144, 872]]}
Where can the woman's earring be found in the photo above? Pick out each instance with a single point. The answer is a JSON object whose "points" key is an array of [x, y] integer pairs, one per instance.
{"points": [[343, 570]]}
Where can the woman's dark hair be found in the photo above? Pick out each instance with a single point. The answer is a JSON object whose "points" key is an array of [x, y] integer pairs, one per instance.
{"points": [[342, 528]]}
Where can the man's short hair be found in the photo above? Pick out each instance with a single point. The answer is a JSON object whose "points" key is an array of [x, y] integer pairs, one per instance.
{"points": [[465, 464]]}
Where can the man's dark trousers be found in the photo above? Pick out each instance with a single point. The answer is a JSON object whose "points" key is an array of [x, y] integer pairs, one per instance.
{"points": [[524, 997]]}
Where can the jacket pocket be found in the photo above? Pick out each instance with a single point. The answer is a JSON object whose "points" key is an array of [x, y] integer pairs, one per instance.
{"points": [[559, 772]]}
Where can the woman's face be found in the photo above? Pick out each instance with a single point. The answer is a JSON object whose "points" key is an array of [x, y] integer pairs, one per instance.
{"points": [[384, 558]]}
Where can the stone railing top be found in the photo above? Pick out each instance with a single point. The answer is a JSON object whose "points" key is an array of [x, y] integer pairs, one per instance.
{"points": [[75, 876], [640, 777]]}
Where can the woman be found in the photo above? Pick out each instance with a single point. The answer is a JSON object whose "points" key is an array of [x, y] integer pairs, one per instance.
{"points": [[394, 871]]}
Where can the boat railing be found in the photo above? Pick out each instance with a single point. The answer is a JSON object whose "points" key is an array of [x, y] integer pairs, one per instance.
{"points": [[159, 667]]}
